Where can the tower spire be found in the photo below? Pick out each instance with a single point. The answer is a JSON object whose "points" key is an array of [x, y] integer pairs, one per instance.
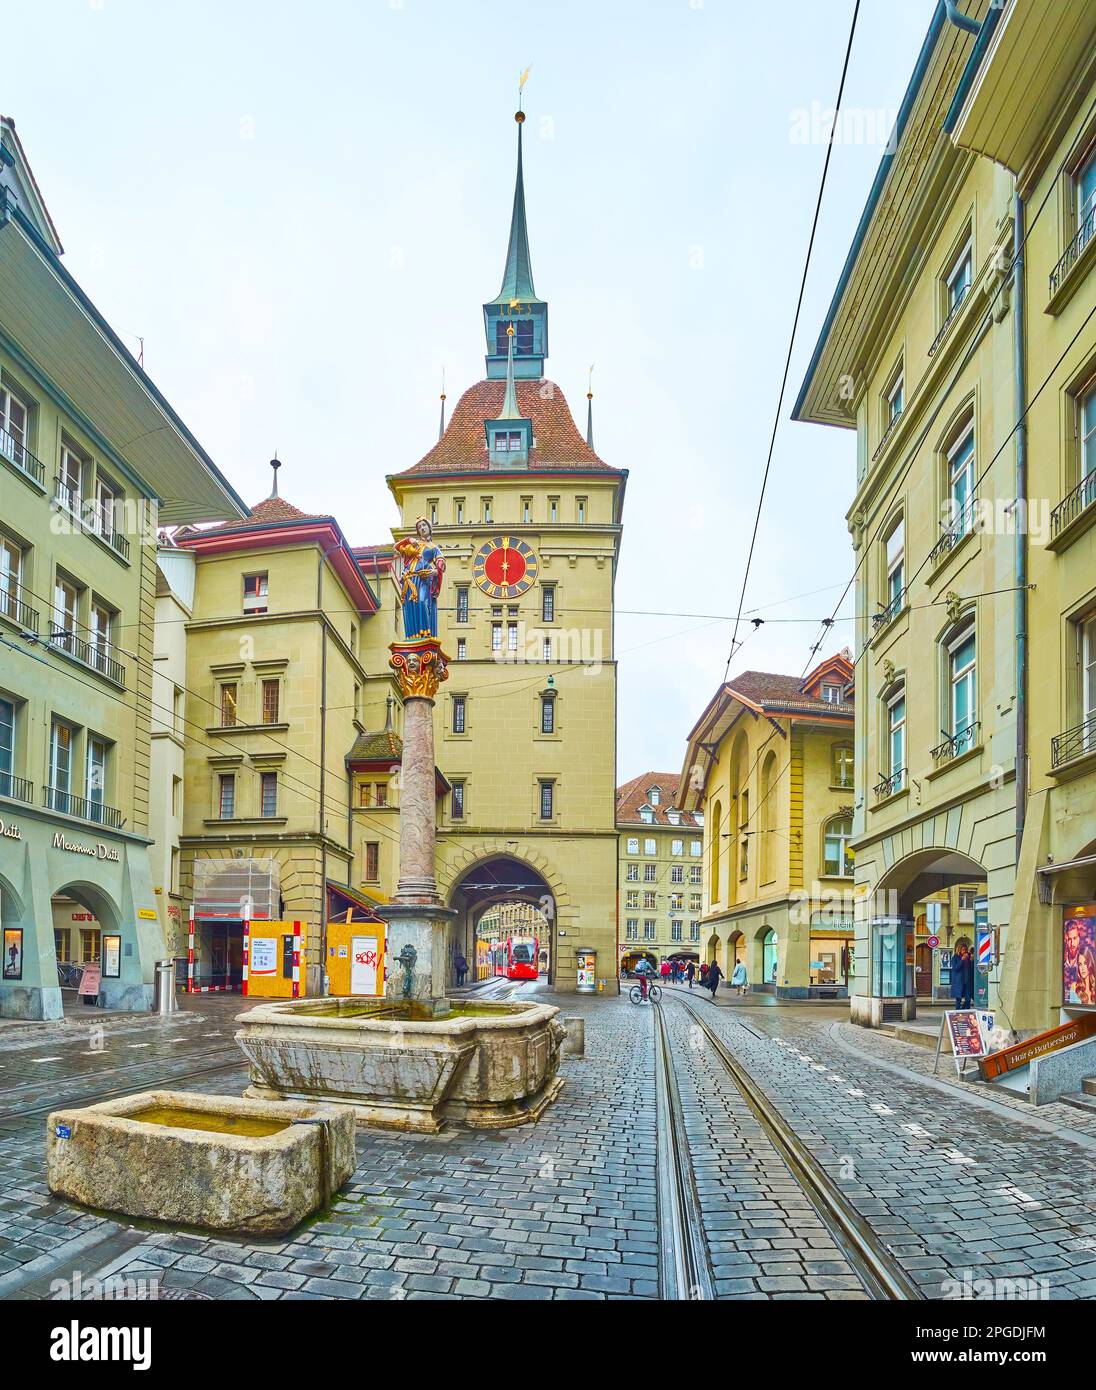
{"points": [[590, 407], [275, 464], [510, 399], [441, 422], [517, 276]]}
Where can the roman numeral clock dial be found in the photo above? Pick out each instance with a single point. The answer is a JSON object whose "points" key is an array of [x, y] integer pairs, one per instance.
{"points": [[505, 567]]}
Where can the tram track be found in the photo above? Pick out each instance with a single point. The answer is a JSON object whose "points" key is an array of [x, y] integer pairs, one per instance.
{"points": [[15, 1118], [684, 1265], [881, 1275]]}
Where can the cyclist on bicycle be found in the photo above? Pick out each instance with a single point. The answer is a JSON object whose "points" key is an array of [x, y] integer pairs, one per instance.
{"points": [[644, 970]]}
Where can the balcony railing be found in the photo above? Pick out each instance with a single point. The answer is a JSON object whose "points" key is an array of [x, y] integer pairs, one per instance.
{"points": [[18, 454], [18, 788], [54, 799], [1074, 743], [13, 607], [949, 320], [953, 534], [96, 517], [888, 786], [892, 610], [94, 653], [1073, 250], [955, 746], [1073, 504]]}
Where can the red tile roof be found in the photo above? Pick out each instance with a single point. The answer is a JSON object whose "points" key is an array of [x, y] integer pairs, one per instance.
{"points": [[632, 795], [556, 440], [770, 690], [269, 512]]}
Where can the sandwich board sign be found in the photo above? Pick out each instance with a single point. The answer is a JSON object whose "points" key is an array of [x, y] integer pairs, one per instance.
{"points": [[970, 1031]]}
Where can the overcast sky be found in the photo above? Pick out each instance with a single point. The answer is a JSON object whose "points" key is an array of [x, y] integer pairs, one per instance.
{"points": [[301, 208]]}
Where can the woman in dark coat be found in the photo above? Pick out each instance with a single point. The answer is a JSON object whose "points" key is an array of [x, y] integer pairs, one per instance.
{"points": [[962, 976], [714, 977]]}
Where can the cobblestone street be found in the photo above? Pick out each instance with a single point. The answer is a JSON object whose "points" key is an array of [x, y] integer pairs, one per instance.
{"points": [[955, 1184]]}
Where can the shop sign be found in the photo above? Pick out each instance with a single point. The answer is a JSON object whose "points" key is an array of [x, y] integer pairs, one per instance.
{"points": [[10, 831], [90, 978], [96, 851], [148, 914]]}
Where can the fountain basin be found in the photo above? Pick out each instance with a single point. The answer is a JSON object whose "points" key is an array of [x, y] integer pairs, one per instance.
{"points": [[196, 1160], [483, 1066]]}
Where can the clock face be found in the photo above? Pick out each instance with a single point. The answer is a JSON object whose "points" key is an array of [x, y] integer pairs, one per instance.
{"points": [[505, 567]]}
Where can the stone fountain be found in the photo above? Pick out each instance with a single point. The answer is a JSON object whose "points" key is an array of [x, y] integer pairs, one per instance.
{"points": [[415, 1059]]}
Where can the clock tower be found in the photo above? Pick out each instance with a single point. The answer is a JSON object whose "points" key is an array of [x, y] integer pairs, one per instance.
{"points": [[528, 518]]}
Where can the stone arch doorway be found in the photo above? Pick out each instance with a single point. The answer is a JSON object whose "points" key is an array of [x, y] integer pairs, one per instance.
{"points": [[93, 916], [733, 952], [916, 899], [767, 948], [496, 881]]}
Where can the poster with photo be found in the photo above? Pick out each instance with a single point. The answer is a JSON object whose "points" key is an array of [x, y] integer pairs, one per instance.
{"points": [[1079, 955], [13, 953]]}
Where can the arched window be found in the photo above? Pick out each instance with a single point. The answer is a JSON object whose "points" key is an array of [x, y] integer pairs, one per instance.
{"points": [[766, 806], [717, 826], [836, 855]]}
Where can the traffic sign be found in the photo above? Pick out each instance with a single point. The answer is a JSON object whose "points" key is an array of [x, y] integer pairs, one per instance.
{"points": [[933, 942]]}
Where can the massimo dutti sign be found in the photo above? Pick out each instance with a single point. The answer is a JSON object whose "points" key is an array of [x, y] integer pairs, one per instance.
{"points": [[10, 831], [96, 851]]}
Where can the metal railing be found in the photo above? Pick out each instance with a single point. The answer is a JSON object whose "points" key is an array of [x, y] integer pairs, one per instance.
{"points": [[888, 786], [891, 427], [17, 788], [1074, 743], [1073, 504], [892, 610], [1072, 251], [13, 607], [92, 515], [956, 745], [21, 457], [54, 799], [949, 320], [953, 534], [94, 653]]}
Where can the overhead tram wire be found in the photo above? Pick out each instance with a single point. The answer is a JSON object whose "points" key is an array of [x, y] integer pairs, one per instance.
{"points": [[791, 342], [944, 395], [867, 647]]}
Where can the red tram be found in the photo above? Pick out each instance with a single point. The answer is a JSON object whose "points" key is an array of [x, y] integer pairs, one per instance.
{"points": [[516, 958]]}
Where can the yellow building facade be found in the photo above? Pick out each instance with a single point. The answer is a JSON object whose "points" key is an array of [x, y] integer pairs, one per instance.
{"points": [[660, 872], [769, 767], [92, 459], [965, 675], [275, 697]]}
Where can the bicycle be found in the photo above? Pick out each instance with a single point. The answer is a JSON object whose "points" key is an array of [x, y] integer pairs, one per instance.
{"points": [[654, 994]]}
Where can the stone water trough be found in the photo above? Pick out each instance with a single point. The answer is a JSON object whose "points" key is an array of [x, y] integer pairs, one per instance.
{"points": [[197, 1160], [401, 1065]]}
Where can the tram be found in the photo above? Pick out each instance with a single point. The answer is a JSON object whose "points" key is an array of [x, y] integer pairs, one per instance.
{"points": [[516, 958]]}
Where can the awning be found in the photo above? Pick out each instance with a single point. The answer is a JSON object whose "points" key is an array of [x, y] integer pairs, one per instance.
{"points": [[346, 904]]}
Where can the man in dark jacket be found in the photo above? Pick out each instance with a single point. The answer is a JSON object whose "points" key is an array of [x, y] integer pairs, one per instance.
{"points": [[714, 977], [690, 970], [962, 976]]}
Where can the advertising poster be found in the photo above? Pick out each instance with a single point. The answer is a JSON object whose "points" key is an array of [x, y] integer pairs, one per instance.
{"points": [[112, 957], [13, 953], [264, 955], [1079, 955]]}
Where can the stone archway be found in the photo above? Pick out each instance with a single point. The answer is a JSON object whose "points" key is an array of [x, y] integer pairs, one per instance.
{"points": [[477, 882]]}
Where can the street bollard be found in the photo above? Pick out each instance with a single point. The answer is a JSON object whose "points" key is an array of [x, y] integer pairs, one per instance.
{"points": [[574, 1044], [165, 987]]}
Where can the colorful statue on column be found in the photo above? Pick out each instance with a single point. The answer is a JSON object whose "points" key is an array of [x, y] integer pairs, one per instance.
{"points": [[417, 568]]}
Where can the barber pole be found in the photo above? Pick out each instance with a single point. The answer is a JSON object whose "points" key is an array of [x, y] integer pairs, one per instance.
{"points": [[296, 961]]}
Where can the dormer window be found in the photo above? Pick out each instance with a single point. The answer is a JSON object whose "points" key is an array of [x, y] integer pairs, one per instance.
{"points": [[674, 817], [647, 816], [831, 693], [654, 796], [507, 441]]}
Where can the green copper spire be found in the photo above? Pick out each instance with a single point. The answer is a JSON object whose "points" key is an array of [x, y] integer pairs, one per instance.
{"points": [[510, 409], [517, 278]]}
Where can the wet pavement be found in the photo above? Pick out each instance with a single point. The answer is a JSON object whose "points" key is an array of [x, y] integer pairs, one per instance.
{"points": [[964, 1187]]}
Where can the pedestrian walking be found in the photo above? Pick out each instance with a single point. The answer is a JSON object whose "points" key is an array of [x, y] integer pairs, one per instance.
{"points": [[715, 974], [461, 967], [739, 979], [704, 974], [962, 976], [690, 971], [664, 970]]}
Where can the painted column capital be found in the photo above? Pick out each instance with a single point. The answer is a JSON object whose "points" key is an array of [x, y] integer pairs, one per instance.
{"points": [[420, 667]]}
